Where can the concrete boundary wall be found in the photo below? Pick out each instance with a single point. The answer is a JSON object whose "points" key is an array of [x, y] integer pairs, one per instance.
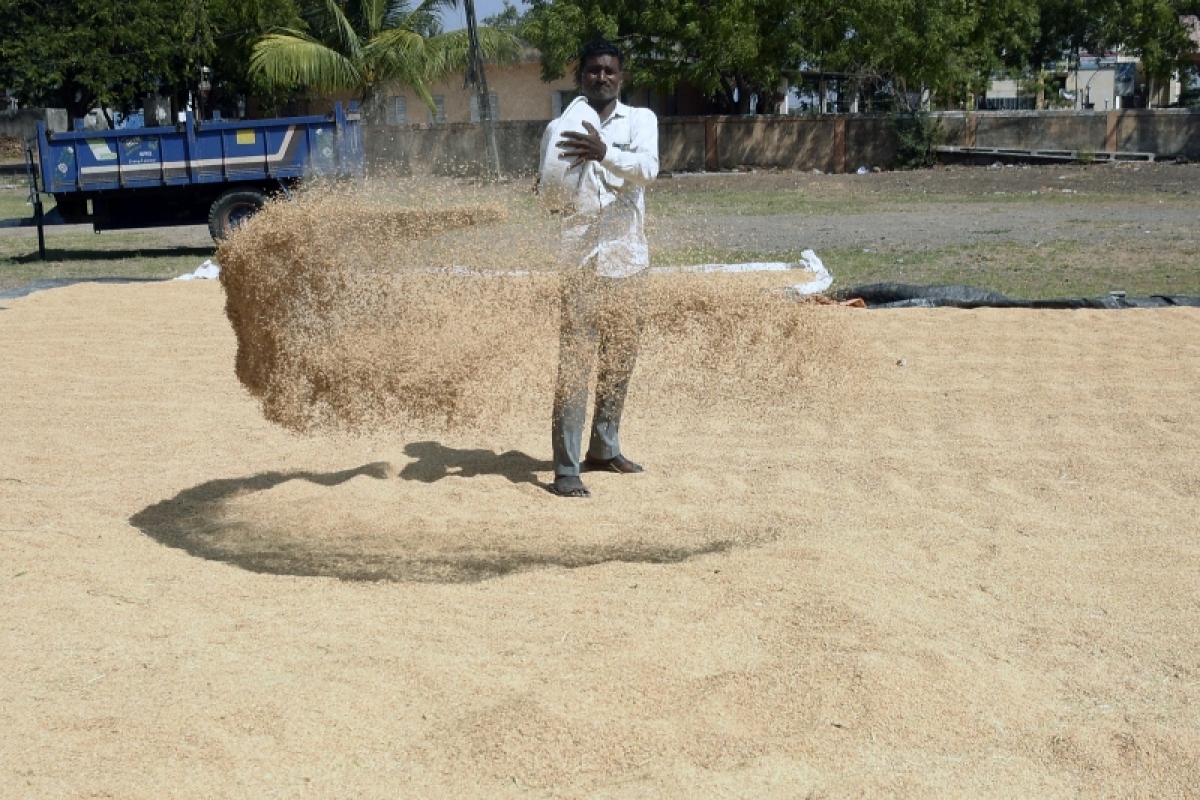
{"points": [[22, 123], [1167, 133], [832, 143]]}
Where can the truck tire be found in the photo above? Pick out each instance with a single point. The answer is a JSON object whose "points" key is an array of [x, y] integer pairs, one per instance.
{"points": [[231, 210]]}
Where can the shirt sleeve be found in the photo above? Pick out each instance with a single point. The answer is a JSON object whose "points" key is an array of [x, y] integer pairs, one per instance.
{"points": [[547, 136], [638, 164]]}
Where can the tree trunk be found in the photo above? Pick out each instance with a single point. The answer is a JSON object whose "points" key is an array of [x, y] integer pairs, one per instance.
{"points": [[373, 106], [725, 98], [76, 109], [743, 101]]}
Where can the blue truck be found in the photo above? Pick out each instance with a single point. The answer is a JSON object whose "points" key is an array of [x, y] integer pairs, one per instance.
{"points": [[212, 172]]}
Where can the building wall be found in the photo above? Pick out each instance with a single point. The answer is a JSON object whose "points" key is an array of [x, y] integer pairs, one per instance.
{"points": [[1097, 86], [455, 148], [1095, 82], [519, 89]]}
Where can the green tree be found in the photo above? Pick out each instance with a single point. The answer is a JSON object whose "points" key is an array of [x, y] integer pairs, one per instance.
{"points": [[943, 51], [741, 48], [237, 25], [109, 53], [358, 45], [734, 49], [1154, 33], [1148, 29], [510, 19]]}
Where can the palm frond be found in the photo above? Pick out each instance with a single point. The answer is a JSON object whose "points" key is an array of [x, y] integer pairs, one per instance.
{"points": [[291, 59], [402, 55], [453, 50], [337, 30], [395, 51], [433, 6], [425, 19], [374, 16]]}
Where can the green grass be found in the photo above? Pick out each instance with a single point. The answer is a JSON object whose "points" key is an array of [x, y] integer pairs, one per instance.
{"points": [[14, 202], [764, 203], [138, 254], [1021, 271], [1025, 271], [700, 254], [74, 252], [775, 202], [1137, 265]]}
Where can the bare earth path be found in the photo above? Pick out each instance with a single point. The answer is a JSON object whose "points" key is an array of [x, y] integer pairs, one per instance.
{"points": [[973, 570], [945, 206], [937, 225]]}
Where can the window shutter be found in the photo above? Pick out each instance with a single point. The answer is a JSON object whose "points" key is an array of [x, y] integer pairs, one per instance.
{"points": [[397, 111], [493, 106]]}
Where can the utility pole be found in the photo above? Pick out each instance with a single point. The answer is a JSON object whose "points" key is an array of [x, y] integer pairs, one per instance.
{"points": [[477, 78]]}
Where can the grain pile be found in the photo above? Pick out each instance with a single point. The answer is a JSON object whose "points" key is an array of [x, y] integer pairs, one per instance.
{"points": [[438, 310]]}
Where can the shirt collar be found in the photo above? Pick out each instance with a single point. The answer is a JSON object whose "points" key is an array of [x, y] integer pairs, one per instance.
{"points": [[621, 110]]}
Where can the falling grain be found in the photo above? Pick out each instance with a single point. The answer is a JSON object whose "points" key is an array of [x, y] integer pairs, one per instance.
{"points": [[438, 310]]}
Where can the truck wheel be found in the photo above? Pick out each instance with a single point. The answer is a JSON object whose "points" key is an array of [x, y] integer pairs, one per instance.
{"points": [[233, 209]]}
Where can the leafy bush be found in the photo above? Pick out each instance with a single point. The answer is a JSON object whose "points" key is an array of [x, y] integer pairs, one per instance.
{"points": [[917, 136]]}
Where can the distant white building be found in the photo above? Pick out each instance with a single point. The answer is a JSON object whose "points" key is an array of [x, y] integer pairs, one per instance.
{"points": [[1100, 82], [1103, 82]]}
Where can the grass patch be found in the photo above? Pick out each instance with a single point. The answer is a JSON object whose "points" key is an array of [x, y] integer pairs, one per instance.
{"points": [[14, 203], [700, 254], [140, 254], [857, 202], [771, 202], [76, 252], [1136, 264], [1028, 272], [1021, 271]]}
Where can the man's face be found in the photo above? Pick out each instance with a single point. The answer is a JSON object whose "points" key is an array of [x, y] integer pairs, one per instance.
{"points": [[600, 81]]}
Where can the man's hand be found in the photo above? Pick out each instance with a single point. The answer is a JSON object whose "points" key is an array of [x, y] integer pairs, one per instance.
{"points": [[580, 147]]}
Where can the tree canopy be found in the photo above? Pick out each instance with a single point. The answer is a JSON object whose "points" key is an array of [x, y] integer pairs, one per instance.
{"points": [[948, 47], [356, 45], [78, 54]]}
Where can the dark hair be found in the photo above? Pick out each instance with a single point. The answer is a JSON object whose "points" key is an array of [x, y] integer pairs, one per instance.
{"points": [[596, 47]]}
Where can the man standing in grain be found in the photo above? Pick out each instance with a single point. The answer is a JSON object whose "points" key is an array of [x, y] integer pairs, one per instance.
{"points": [[604, 260]]}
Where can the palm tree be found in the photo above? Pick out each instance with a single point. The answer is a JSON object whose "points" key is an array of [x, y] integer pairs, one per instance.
{"points": [[357, 45]]}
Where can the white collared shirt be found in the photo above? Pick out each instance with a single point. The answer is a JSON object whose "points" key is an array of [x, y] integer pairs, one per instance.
{"points": [[615, 236]]}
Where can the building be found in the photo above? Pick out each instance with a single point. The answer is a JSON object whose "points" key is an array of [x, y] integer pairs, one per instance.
{"points": [[516, 91], [1102, 82]]}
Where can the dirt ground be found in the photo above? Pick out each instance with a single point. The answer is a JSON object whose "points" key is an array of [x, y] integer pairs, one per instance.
{"points": [[1088, 229], [947, 206], [966, 568]]}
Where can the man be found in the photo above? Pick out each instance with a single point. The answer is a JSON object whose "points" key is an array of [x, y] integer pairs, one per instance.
{"points": [[604, 260]]}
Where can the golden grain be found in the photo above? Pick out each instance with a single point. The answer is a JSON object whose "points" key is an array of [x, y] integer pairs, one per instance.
{"points": [[435, 308]]}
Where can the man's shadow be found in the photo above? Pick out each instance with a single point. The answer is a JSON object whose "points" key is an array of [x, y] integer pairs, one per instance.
{"points": [[435, 461], [197, 521]]}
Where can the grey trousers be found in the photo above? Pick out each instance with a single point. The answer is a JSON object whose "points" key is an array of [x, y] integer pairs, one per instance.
{"points": [[601, 323]]}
